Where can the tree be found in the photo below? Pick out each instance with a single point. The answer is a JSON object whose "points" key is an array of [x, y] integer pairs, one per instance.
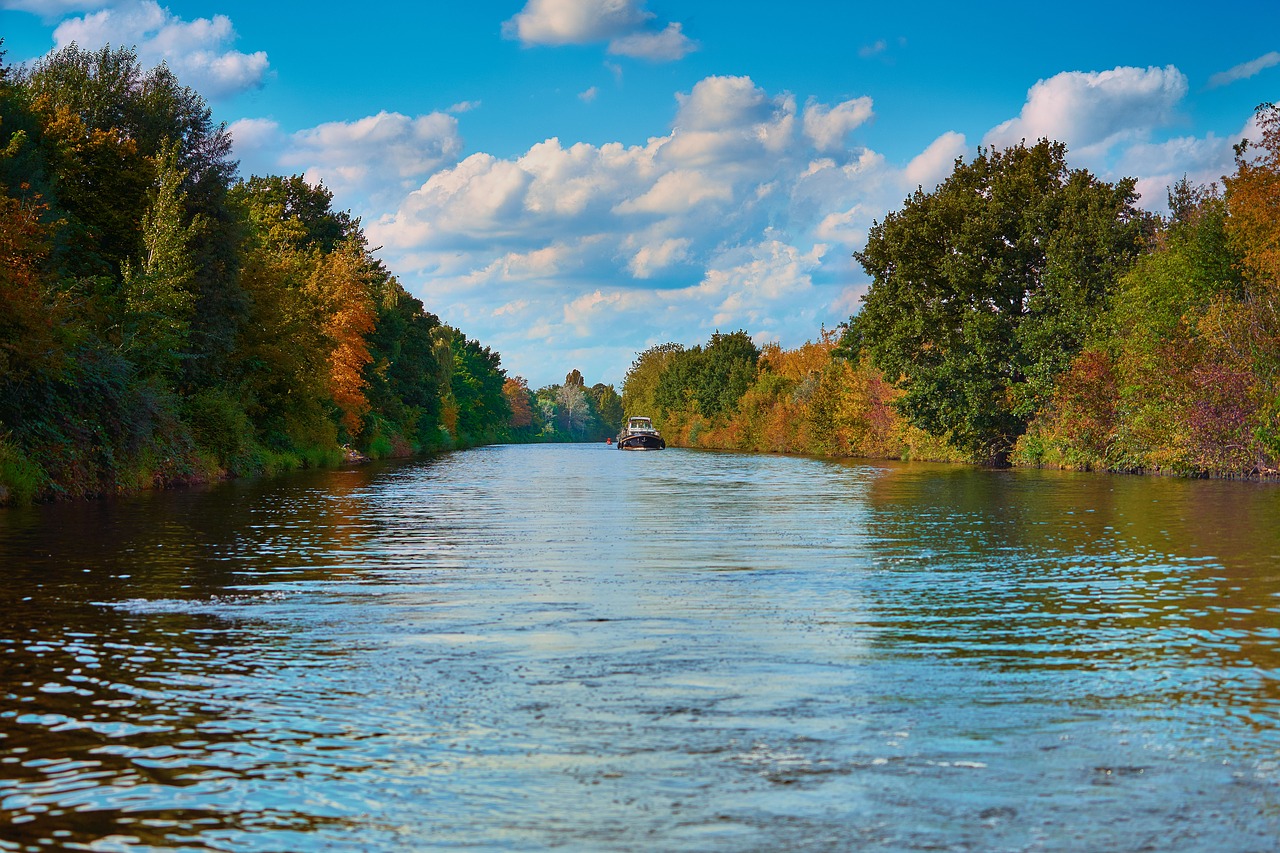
{"points": [[641, 381], [476, 388], [709, 381], [608, 407], [340, 285], [984, 290], [516, 390], [571, 401], [157, 290]]}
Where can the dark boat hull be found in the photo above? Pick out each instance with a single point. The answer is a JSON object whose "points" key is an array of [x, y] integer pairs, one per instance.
{"points": [[642, 442]]}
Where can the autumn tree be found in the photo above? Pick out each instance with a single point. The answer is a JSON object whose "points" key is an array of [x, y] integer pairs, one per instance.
{"points": [[339, 283], [516, 391], [1253, 201]]}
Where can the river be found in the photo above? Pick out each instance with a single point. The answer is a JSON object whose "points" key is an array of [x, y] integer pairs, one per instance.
{"points": [[573, 648]]}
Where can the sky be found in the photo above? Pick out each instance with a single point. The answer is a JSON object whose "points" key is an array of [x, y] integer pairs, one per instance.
{"points": [[573, 181]]}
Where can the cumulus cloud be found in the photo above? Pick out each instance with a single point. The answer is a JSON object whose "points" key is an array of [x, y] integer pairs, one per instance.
{"points": [[1095, 110], [558, 22], [1245, 70], [828, 126], [625, 24], [374, 160], [931, 166], [730, 219], [198, 51], [1201, 160], [652, 258], [407, 150], [665, 46]]}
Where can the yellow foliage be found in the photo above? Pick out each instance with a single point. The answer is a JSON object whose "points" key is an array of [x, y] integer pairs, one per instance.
{"points": [[805, 401]]}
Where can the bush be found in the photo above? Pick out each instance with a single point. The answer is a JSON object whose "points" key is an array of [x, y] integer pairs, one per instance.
{"points": [[20, 478]]}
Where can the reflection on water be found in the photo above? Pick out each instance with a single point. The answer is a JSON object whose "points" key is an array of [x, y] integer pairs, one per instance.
{"points": [[533, 647]]}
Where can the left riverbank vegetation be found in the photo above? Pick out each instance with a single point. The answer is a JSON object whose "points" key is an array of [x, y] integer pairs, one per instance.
{"points": [[1024, 313], [163, 322]]}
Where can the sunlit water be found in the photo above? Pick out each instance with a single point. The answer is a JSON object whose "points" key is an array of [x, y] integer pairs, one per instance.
{"points": [[575, 648]]}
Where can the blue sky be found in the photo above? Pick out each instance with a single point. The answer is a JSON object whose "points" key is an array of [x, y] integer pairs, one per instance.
{"points": [[572, 181]]}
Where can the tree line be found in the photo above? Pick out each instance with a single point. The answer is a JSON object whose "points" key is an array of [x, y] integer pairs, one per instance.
{"points": [[162, 321], [569, 412], [1024, 313]]}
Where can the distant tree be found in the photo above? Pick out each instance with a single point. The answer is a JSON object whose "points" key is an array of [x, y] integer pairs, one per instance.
{"points": [[572, 408], [984, 290], [516, 390], [608, 407], [642, 378]]}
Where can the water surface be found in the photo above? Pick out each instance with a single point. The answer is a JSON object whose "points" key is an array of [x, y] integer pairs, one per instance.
{"points": [[574, 648]]}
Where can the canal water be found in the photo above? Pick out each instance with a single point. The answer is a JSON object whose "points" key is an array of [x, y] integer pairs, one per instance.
{"points": [[572, 648]]}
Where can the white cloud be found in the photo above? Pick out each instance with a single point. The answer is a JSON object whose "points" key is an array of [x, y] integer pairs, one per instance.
{"points": [[252, 135], [719, 103], [1245, 70], [934, 164], [1201, 160], [678, 192], [1095, 110], [558, 22], [589, 95], [845, 226], [726, 219], [655, 257], [828, 126], [386, 152], [665, 46], [198, 51], [53, 10], [624, 24]]}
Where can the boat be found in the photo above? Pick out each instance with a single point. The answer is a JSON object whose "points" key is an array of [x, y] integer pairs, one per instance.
{"points": [[639, 434]]}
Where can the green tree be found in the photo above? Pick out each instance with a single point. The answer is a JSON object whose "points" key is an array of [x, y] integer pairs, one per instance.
{"points": [[709, 380], [984, 290], [608, 407], [476, 385], [157, 290], [641, 381]]}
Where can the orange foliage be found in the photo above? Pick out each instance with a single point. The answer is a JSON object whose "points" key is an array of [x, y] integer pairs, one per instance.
{"points": [[1253, 198], [26, 321], [806, 401], [516, 390], [341, 284]]}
